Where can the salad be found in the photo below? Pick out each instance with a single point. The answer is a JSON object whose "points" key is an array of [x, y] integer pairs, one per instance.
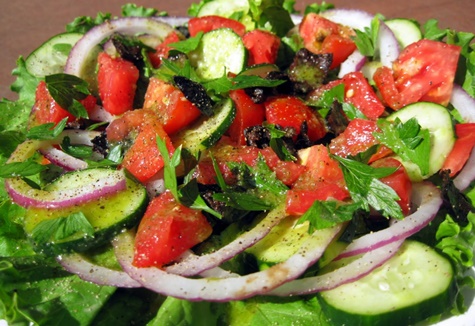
{"points": [[245, 165]]}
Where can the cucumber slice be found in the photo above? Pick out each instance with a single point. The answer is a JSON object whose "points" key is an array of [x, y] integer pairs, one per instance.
{"points": [[108, 216], [208, 130], [406, 31], [50, 57], [284, 240], [436, 118], [223, 8], [220, 52], [415, 284]]}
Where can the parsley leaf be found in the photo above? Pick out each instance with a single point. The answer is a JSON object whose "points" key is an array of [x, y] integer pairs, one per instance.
{"points": [[46, 131], [365, 188], [408, 140], [366, 41], [188, 45], [328, 213], [21, 169], [169, 166], [132, 10], [67, 90], [62, 227]]}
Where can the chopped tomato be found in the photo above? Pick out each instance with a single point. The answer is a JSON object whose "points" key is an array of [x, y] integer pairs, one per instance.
{"points": [[357, 138], [167, 230], [322, 180], [248, 114], [286, 171], [321, 35], [143, 159], [208, 23], [46, 110], [161, 50], [399, 181], [117, 82], [290, 111], [424, 71], [263, 46], [358, 92], [462, 148], [173, 110]]}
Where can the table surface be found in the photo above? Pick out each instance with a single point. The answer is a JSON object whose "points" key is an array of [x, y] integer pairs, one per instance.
{"points": [[27, 24]]}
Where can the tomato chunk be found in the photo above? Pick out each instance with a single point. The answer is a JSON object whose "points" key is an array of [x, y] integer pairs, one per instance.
{"points": [[142, 159], [322, 180], [248, 114], [46, 110], [321, 35], [117, 82], [167, 230], [357, 138], [161, 50], [208, 23], [263, 46], [424, 71], [290, 111], [462, 148], [173, 110]]}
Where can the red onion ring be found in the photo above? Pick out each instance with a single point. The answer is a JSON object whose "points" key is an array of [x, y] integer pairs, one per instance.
{"points": [[87, 271], [353, 63], [98, 113], [219, 289], [354, 18], [24, 195], [426, 197], [387, 45], [343, 275], [194, 264], [127, 25], [61, 159]]}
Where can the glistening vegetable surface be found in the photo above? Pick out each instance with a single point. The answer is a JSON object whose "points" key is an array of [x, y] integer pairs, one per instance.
{"points": [[329, 147]]}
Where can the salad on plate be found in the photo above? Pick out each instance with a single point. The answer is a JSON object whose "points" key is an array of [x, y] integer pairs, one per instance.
{"points": [[246, 165]]}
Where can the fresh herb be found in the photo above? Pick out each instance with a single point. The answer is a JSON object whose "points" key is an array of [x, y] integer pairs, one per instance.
{"points": [[188, 45], [47, 131], [366, 41], [188, 193], [328, 213], [67, 91], [278, 144], [21, 169], [62, 227], [365, 188], [257, 188], [79, 151], [85, 23], [318, 8], [408, 140], [132, 10]]}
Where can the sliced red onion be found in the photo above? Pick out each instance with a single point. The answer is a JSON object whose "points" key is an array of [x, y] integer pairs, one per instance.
{"points": [[387, 45], [343, 275], [111, 182], [61, 159], [87, 271], [465, 177], [464, 103], [194, 264], [174, 21], [354, 62], [220, 289], [98, 113], [78, 137], [156, 185], [426, 197], [354, 18], [128, 25]]}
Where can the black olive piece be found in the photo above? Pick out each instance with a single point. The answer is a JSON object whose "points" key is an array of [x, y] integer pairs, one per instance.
{"points": [[195, 93]]}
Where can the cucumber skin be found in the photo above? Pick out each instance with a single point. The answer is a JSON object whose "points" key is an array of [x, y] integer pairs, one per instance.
{"points": [[101, 236], [404, 316]]}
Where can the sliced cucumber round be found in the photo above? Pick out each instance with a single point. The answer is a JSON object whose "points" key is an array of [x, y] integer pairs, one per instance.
{"points": [[224, 8], [208, 130], [108, 216], [50, 57], [406, 31], [220, 52], [436, 118], [415, 284]]}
